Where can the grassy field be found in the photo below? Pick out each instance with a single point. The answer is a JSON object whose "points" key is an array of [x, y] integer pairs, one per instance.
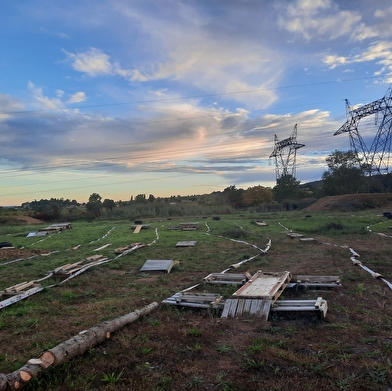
{"points": [[177, 349]]}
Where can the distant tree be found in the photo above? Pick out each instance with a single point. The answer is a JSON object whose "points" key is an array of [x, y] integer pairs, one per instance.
{"points": [[345, 175], [140, 198], [151, 198], [108, 204], [233, 195], [257, 195], [287, 188], [94, 204]]}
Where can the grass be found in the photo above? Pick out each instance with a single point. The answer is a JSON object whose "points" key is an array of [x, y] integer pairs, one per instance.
{"points": [[175, 348]]}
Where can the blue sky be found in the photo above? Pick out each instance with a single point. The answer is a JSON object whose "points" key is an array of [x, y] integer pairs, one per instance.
{"points": [[179, 97]]}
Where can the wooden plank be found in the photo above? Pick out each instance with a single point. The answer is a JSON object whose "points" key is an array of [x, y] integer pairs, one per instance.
{"points": [[19, 287], [227, 278], [20, 296], [318, 306], [157, 265], [246, 308], [264, 285], [233, 308], [187, 243], [102, 247], [137, 229]]}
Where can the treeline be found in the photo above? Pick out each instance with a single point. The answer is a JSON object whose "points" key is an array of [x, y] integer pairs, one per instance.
{"points": [[345, 175]]}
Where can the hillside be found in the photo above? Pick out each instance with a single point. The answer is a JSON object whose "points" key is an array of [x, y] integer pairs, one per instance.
{"points": [[352, 202]]}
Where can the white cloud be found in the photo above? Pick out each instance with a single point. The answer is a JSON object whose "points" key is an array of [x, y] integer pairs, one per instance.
{"points": [[95, 62], [322, 19], [77, 97], [43, 101], [379, 52]]}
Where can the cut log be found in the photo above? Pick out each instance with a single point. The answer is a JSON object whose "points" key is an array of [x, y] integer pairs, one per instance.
{"points": [[71, 348]]}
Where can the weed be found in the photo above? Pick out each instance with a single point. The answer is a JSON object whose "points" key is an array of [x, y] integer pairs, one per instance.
{"points": [[368, 340], [223, 348], [112, 378], [251, 364], [256, 346], [195, 381], [154, 322], [376, 374], [194, 332], [360, 289]]}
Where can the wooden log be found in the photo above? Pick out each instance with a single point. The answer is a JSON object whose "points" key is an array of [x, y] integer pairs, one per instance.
{"points": [[65, 351]]}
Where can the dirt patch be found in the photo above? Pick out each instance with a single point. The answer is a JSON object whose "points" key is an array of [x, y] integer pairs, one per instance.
{"points": [[15, 253], [352, 202]]}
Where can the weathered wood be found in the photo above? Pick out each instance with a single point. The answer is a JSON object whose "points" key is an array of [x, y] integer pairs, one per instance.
{"points": [[69, 349], [20, 296], [318, 306], [227, 278], [102, 247], [264, 285], [137, 229], [158, 265], [246, 308]]}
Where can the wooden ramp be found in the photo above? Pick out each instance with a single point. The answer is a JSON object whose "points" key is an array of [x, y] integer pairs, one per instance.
{"points": [[137, 229], [246, 308]]}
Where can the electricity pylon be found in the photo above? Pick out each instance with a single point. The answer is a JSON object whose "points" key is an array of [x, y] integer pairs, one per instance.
{"points": [[378, 155], [285, 154]]}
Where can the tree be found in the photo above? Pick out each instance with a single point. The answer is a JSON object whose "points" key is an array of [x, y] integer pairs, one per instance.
{"points": [[257, 195], [141, 198], [108, 204], [287, 188], [151, 198], [345, 175], [233, 195], [94, 204]]}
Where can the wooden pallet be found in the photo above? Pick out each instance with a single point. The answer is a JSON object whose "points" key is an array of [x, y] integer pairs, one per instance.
{"points": [[316, 282], [246, 308], [227, 278], [264, 285], [198, 300], [318, 307]]}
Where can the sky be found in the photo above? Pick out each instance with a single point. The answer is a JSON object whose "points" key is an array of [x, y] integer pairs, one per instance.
{"points": [[179, 97]]}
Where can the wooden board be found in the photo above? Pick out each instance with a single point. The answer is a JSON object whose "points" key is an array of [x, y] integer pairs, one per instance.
{"points": [[264, 285], [318, 306], [137, 229], [158, 265], [227, 278], [318, 281], [246, 308], [186, 243]]}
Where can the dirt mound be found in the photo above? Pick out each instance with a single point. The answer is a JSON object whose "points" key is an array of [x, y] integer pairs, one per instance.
{"points": [[352, 202], [20, 220]]}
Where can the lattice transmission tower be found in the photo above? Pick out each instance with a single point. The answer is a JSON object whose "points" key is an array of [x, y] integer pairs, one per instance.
{"points": [[378, 155], [285, 154]]}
